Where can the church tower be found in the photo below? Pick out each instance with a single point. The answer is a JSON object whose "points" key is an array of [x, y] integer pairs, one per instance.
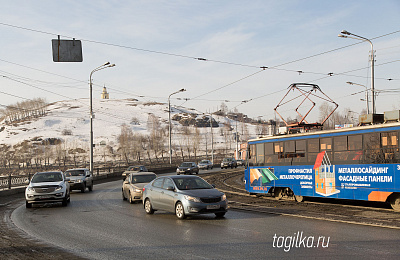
{"points": [[104, 94]]}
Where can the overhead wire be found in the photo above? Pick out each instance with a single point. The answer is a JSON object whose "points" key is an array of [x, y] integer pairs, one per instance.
{"points": [[204, 59]]}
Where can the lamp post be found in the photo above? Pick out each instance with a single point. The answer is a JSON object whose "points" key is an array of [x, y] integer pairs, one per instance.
{"points": [[366, 93], [212, 138], [236, 137], [169, 123], [105, 65], [344, 34]]}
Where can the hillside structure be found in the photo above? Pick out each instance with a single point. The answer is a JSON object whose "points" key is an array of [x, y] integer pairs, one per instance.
{"points": [[104, 94]]}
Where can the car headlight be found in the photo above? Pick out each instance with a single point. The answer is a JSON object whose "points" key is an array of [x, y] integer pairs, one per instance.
{"points": [[223, 197], [138, 190], [190, 198], [60, 187], [79, 180], [30, 189]]}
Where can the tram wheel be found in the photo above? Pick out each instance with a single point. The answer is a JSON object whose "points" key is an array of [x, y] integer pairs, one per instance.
{"points": [[395, 201], [278, 193], [299, 198]]}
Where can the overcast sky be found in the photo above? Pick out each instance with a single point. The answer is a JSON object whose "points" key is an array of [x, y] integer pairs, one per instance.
{"points": [[154, 45]]}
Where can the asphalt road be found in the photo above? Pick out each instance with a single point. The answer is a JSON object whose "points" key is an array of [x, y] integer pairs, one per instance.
{"points": [[100, 225]]}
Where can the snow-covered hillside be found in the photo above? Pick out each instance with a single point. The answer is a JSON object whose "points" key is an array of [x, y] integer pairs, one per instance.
{"points": [[69, 121]]}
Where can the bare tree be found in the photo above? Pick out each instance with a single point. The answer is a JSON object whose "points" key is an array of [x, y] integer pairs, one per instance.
{"points": [[124, 140]]}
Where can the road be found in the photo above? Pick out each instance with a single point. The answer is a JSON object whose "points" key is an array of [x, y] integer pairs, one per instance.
{"points": [[100, 225]]}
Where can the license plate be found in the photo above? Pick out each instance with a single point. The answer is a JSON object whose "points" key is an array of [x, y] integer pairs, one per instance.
{"points": [[213, 206], [45, 197]]}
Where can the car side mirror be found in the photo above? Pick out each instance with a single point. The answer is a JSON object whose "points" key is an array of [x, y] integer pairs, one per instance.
{"points": [[27, 182], [126, 182], [171, 188]]}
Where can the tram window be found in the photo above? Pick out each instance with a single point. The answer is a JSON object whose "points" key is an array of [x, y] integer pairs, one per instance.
{"points": [[271, 159], [313, 145], [301, 146], [260, 154], [355, 142], [341, 156], [326, 144], [340, 143], [278, 148], [252, 154], [290, 147], [371, 141], [390, 147], [312, 157], [269, 148], [389, 139], [300, 150]]}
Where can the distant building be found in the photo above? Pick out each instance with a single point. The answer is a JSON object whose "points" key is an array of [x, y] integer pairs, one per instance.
{"points": [[104, 94]]}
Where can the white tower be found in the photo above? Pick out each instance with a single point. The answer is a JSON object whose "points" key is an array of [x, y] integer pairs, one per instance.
{"points": [[104, 94]]}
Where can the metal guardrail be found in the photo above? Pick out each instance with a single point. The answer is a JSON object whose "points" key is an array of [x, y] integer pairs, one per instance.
{"points": [[13, 181]]}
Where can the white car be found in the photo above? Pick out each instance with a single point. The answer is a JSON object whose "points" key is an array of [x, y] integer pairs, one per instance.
{"points": [[205, 164], [46, 187]]}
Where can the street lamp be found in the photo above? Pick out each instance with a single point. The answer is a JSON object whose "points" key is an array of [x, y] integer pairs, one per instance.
{"points": [[236, 137], [105, 65], [344, 34], [366, 93], [169, 122]]}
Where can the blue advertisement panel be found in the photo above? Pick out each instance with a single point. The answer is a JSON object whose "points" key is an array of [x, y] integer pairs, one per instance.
{"points": [[363, 182]]}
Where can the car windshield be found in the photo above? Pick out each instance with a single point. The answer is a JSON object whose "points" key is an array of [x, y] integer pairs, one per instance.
{"points": [[47, 177], [143, 178], [192, 183], [70, 173], [186, 164], [204, 162], [227, 159]]}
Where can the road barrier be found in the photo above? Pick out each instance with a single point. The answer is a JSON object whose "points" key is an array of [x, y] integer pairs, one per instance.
{"points": [[12, 184]]}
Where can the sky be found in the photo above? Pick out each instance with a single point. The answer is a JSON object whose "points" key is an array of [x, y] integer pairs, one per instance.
{"points": [[213, 49]]}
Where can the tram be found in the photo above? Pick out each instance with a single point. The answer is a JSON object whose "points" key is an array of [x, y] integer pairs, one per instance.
{"points": [[358, 163]]}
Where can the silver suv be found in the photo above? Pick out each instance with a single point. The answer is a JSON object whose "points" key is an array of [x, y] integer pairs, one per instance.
{"points": [[46, 187], [79, 179]]}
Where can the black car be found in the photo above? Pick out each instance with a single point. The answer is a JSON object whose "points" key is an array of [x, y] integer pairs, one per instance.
{"points": [[188, 168]]}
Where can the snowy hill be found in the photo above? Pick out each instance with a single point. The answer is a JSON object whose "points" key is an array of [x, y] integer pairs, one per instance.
{"points": [[69, 121]]}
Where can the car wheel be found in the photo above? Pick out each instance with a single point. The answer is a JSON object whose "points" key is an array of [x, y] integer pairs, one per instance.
{"points": [[123, 195], [83, 188], [91, 187], [179, 211], [65, 202], [147, 207], [220, 214], [131, 201], [28, 205]]}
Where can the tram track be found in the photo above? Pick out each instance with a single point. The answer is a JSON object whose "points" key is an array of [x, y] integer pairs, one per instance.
{"points": [[347, 211]]}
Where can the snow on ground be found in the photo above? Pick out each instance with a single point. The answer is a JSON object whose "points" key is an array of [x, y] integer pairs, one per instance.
{"points": [[72, 116]]}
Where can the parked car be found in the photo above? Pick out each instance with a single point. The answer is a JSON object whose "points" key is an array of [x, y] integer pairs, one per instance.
{"points": [[228, 163], [46, 187], [240, 162], [132, 187], [183, 195], [205, 164], [188, 168], [79, 179], [134, 168]]}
